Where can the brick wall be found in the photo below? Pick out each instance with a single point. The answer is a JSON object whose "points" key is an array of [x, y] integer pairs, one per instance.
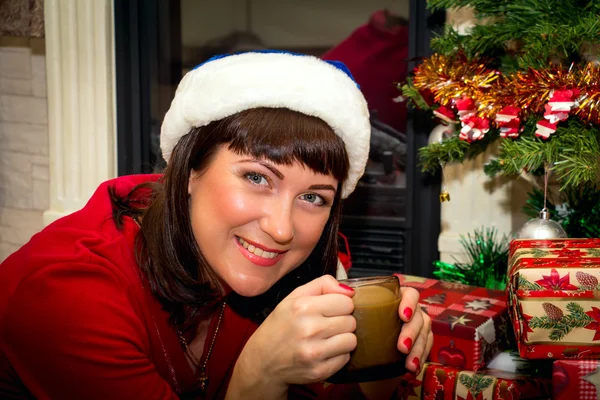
{"points": [[24, 190]]}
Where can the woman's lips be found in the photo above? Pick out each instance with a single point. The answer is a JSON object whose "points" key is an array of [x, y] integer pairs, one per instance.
{"points": [[261, 256]]}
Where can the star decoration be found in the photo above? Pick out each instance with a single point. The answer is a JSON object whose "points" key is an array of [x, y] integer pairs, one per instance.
{"points": [[594, 379], [438, 298], [478, 304], [462, 320]]}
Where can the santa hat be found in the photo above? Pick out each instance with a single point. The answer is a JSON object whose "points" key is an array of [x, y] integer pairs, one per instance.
{"points": [[226, 85]]}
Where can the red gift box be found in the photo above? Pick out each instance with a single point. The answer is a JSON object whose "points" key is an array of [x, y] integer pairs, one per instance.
{"points": [[575, 379], [441, 382], [553, 288], [470, 324]]}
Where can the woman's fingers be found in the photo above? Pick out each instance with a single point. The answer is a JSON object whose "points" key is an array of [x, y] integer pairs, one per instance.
{"points": [[325, 349], [410, 331], [421, 346], [409, 303]]}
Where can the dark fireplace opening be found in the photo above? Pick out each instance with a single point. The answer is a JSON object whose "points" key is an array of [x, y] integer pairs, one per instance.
{"points": [[391, 221]]}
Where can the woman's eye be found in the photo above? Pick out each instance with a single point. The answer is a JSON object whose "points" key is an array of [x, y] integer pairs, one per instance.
{"points": [[313, 198], [256, 178]]}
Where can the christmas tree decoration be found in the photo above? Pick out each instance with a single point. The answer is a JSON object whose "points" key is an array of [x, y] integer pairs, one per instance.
{"points": [[542, 227], [486, 265], [525, 77], [440, 133], [579, 213]]}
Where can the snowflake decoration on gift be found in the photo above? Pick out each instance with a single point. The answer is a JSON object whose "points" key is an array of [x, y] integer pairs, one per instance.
{"points": [[478, 304], [438, 298]]}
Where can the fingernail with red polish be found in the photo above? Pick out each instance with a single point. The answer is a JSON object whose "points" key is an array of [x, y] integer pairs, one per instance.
{"points": [[408, 343], [417, 363], [346, 287], [408, 312]]}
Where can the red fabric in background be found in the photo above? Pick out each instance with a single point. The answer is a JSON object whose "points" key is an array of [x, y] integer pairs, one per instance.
{"points": [[377, 57]]}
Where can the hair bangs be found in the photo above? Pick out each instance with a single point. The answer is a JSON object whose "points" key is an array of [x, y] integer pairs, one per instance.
{"points": [[284, 137]]}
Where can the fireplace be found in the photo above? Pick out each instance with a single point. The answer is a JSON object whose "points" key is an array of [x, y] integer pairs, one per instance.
{"points": [[392, 220]]}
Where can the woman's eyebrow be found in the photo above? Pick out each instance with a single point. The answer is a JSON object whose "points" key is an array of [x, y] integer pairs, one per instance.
{"points": [[322, 187], [274, 170]]}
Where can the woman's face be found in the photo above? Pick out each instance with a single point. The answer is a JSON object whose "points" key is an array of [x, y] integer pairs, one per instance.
{"points": [[255, 220]]}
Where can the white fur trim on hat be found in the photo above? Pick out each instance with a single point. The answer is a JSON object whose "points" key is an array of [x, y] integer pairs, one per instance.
{"points": [[228, 85]]}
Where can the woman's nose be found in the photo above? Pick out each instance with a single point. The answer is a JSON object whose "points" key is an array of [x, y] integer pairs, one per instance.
{"points": [[277, 221]]}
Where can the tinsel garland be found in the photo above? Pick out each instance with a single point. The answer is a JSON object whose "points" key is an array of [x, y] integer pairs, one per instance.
{"points": [[452, 77], [487, 261]]}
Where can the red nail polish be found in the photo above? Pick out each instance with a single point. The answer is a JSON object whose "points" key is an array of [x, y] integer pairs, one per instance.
{"points": [[408, 343], [417, 362], [408, 312], [346, 287]]}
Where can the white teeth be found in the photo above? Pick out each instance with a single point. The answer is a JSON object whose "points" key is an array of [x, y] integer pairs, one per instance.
{"points": [[255, 250]]}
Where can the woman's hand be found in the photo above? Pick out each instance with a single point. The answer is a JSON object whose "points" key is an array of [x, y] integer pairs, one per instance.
{"points": [[416, 337], [307, 338]]}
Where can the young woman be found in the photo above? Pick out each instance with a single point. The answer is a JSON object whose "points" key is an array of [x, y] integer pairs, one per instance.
{"points": [[214, 279]]}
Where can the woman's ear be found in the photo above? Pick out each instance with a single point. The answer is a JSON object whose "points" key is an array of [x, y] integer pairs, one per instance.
{"points": [[190, 181]]}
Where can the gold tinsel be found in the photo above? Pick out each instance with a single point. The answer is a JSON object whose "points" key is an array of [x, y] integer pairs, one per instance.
{"points": [[450, 78], [589, 103]]}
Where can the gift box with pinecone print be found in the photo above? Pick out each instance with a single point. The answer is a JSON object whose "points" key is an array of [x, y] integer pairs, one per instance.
{"points": [[437, 382], [470, 324], [554, 297]]}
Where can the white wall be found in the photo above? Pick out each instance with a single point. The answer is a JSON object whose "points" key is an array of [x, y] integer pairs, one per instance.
{"points": [[24, 192]]}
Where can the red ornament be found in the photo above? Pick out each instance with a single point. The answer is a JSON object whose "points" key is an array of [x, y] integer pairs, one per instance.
{"points": [[450, 355], [545, 129]]}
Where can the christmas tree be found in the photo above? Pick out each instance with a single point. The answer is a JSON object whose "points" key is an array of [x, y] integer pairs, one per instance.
{"points": [[525, 76]]}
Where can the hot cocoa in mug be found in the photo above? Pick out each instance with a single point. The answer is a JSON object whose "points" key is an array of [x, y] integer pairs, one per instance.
{"points": [[376, 301]]}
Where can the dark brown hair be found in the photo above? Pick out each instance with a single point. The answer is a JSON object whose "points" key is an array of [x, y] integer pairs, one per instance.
{"points": [[178, 274]]}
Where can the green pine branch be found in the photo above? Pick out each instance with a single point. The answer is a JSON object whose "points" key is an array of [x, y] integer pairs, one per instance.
{"points": [[541, 30], [511, 36], [476, 383], [527, 285], [594, 252], [576, 318], [573, 154]]}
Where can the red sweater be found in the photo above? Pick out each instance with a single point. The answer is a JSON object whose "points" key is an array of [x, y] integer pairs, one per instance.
{"points": [[77, 319]]}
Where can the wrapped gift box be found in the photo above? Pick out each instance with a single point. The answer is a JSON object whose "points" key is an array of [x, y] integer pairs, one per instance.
{"points": [[576, 379], [553, 288], [437, 382], [470, 324]]}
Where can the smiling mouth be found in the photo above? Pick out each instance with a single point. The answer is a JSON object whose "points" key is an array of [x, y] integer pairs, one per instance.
{"points": [[257, 251]]}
